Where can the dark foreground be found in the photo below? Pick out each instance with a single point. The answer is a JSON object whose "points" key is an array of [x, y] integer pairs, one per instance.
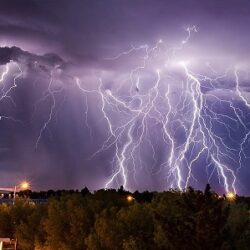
{"points": [[111, 219]]}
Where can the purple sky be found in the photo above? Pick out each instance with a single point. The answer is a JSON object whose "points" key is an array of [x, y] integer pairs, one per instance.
{"points": [[50, 127]]}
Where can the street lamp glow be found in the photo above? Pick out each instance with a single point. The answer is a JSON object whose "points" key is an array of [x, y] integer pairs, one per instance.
{"points": [[231, 196], [24, 185], [130, 198]]}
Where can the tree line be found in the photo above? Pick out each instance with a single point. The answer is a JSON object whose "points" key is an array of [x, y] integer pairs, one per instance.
{"points": [[116, 219]]}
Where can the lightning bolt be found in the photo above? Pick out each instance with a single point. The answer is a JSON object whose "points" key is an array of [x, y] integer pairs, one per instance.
{"points": [[142, 115], [50, 94], [6, 93], [164, 120], [4, 73]]}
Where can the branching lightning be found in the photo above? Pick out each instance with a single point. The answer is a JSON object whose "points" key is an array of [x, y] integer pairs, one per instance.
{"points": [[145, 114], [6, 93], [165, 120]]}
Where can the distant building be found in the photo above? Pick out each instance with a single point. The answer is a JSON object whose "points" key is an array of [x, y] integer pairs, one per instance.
{"points": [[7, 243]]}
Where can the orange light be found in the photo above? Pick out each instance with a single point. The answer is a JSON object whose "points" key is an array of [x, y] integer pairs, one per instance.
{"points": [[130, 198], [24, 185], [231, 196]]}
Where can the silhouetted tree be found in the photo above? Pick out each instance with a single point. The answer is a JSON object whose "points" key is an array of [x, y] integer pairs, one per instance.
{"points": [[173, 220]]}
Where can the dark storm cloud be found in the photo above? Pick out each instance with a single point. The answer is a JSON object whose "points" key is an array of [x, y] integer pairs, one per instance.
{"points": [[88, 31], [18, 55], [50, 33]]}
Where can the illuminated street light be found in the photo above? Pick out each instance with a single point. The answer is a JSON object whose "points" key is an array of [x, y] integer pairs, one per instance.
{"points": [[130, 198], [24, 185], [231, 196]]}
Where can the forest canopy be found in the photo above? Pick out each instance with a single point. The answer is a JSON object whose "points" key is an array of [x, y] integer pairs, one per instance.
{"points": [[117, 219]]}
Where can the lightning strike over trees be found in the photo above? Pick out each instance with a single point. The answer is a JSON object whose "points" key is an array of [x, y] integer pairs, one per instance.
{"points": [[141, 95]]}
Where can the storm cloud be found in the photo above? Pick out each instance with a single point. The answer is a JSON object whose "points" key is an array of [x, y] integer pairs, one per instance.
{"points": [[51, 46]]}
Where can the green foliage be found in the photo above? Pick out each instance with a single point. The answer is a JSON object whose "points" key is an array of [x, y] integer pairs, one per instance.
{"points": [[190, 220], [128, 228], [239, 225], [30, 232], [69, 221], [6, 226], [107, 220]]}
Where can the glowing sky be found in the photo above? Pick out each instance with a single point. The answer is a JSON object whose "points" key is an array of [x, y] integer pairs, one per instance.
{"points": [[88, 87]]}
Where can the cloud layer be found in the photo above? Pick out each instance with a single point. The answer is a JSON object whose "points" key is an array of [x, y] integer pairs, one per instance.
{"points": [[40, 42]]}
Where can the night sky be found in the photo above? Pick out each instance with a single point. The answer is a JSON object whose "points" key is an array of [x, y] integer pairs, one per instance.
{"points": [[151, 94]]}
